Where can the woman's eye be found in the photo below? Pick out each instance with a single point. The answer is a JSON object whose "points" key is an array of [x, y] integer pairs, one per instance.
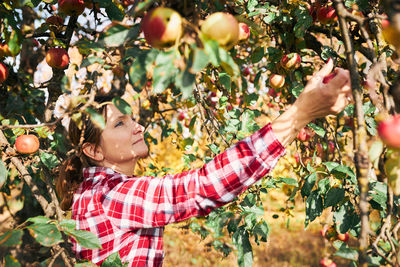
{"points": [[120, 123]]}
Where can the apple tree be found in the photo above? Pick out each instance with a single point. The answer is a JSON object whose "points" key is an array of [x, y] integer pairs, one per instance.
{"points": [[204, 72]]}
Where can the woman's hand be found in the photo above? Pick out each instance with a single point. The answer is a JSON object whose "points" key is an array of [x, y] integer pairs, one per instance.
{"points": [[317, 100], [320, 99]]}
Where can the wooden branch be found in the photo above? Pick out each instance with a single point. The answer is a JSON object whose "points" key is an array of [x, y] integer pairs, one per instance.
{"points": [[47, 208], [361, 148]]}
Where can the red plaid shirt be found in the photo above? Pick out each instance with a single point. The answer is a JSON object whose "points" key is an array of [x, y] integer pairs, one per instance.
{"points": [[128, 214]]}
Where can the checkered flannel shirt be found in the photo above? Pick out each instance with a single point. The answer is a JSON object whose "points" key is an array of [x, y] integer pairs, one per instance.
{"points": [[128, 213]]}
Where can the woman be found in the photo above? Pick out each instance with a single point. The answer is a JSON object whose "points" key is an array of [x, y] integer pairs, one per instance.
{"points": [[128, 213]]}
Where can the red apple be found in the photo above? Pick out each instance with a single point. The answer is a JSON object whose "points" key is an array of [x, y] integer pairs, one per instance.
{"points": [[182, 116], [3, 72], [27, 144], [326, 262], [328, 77], [331, 147], [326, 15], [305, 134], [246, 71], [276, 81], [57, 58], [320, 150], [55, 23], [162, 27], [71, 7], [223, 28], [244, 31], [312, 10], [385, 22], [343, 237], [297, 157], [389, 131], [126, 3], [4, 50], [291, 61]]}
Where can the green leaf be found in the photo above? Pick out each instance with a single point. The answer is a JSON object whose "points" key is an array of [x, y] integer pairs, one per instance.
{"points": [[211, 48], [371, 125], [334, 196], [84, 238], [185, 81], [11, 238], [375, 152], [118, 34], [14, 43], [257, 54], [214, 148], [114, 13], [345, 252], [296, 88], [11, 262], [122, 105], [96, 118], [330, 165], [344, 172], [164, 72], [68, 224], [245, 254], [3, 173], [262, 230], [227, 63], [91, 60], [314, 207], [38, 219], [46, 234], [317, 129], [346, 218], [323, 186], [308, 184], [378, 194], [200, 61], [304, 21], [113, 260], [49, 160], [289, 181], [225, 80]]}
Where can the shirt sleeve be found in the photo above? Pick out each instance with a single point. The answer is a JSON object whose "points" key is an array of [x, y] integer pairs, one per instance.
{"points": [[147, 202]]}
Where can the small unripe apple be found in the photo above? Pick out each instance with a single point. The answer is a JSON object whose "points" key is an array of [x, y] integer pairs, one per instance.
{"points": [[3, 72], [328, 77], [291, 61], [4, 50], [389, 131], [27, 144], [71, 7], [326, 15], [343, 237], [276, 81], [162, 27], [57, 58], [244, 31], [223, 28]]}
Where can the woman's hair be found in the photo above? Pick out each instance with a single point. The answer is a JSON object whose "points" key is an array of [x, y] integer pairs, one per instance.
{"points": [[70, 175]]}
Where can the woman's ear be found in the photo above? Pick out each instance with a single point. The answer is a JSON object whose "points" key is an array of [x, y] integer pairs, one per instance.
{"points": [[92, 151]]}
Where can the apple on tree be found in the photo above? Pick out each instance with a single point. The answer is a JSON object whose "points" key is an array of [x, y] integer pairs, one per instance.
{"points": [[343, 237], [27, 144], [389, 131], [326, 14], [71, 7], [291, 61], [326, 262], [3, 72], [55, 23], [162, 27], [244, 31], [276, 81], [221, 27], [57, 58], [4, 50], [305, 134]]}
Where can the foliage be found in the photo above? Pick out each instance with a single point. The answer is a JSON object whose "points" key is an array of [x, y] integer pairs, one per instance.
{"points": [[224, 96]]}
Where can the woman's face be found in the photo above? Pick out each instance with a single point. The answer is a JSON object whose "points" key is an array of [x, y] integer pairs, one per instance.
{"points": [[121, 142]]}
